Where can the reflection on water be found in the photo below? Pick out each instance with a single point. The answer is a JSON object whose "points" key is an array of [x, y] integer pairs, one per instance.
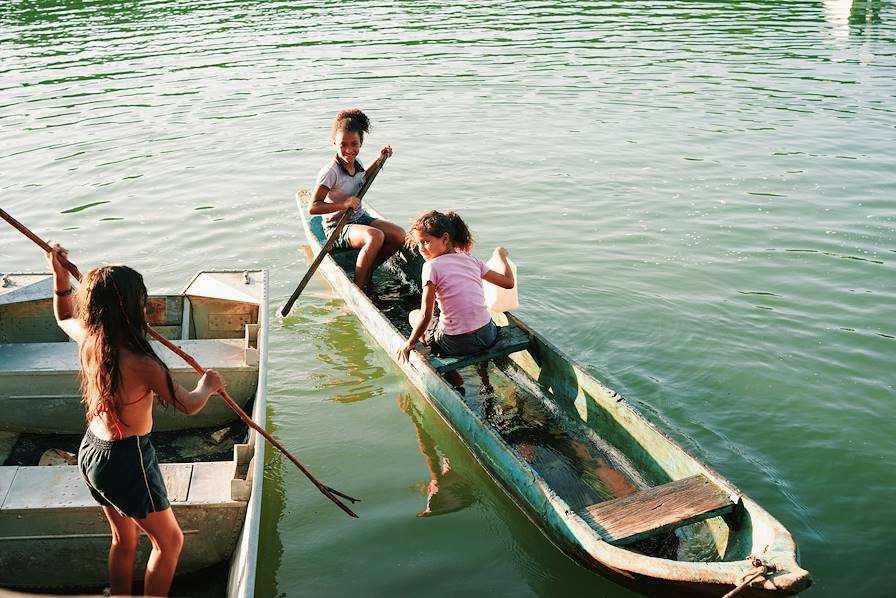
{"points": [[446, 491], [351, 363], [270, 546]]}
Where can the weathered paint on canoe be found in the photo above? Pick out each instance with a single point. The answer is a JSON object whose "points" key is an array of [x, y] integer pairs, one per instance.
{"points": [[47, 516], [612, 418]]}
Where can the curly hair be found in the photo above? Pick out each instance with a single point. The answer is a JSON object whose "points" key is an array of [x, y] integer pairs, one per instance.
{"points": [[352, 121]]}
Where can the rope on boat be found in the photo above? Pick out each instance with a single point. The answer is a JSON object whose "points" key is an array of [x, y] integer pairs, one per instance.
{"points": [[760, 569]]}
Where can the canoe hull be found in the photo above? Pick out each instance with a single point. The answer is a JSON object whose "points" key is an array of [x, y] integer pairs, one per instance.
{"points": [[583, 397]]}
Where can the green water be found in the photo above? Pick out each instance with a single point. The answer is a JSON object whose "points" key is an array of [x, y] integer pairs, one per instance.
{"points": [[699, 197]]}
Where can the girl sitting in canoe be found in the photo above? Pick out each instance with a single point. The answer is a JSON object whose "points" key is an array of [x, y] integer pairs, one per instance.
{"points": [[336, 189], [453, 278], [119, 374]]}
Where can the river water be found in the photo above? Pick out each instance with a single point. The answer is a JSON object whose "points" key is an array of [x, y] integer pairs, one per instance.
{"points": [[699, 197]]}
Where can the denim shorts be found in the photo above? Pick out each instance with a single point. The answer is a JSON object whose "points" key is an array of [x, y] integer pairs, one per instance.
{"points": [[123, 474], [342, 241], [468, 343]]}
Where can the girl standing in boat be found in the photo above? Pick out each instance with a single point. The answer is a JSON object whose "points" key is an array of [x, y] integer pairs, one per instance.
{"points": [[453, 278], [336, 190], [119, 374]]}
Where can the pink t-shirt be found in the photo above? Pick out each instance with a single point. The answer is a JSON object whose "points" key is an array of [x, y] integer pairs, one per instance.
{"points": [[457, 278]]}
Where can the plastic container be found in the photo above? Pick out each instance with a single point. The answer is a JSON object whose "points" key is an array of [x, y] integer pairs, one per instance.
{"points": [[496, 298]]}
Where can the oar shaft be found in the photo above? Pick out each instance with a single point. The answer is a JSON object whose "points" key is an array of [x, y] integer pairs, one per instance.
{"points": [[40, 242], [326, 490], [314, 264]]}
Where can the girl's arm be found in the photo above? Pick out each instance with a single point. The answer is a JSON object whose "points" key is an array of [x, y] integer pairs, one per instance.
{"points": [[319, 206], [385, 152], [188, 402], [502, 279], [63, 308], [427, 303]]}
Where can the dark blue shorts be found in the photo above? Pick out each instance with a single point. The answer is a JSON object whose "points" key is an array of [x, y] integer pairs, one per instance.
{"points": [[123, 474], [342, 241], [467, 343]]}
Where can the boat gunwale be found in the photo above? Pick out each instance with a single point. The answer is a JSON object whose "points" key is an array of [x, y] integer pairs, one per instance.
{"points": [[243, 586]]}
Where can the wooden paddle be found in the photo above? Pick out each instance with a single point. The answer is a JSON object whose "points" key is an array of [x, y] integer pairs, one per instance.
{"points": [[340, 224], [326, 490]]}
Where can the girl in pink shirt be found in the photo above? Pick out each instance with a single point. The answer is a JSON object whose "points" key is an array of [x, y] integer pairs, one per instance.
{"points": [[453, 278]]}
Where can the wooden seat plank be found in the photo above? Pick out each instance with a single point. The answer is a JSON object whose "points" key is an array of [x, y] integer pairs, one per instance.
{"points": [[510, 340], [656, 510]]}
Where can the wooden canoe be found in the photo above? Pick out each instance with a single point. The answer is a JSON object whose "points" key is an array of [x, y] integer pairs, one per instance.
{"points": [[53, 535], [602, 482]]}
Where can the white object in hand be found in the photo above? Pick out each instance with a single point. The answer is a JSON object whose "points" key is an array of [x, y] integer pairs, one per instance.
{"points": [[496, 298]]}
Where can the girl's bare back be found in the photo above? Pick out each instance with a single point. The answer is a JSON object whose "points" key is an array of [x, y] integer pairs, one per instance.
{"points": [[135, 399]]}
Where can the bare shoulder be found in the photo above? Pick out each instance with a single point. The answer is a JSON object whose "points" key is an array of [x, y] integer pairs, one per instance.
{"points": [[140, 365]]}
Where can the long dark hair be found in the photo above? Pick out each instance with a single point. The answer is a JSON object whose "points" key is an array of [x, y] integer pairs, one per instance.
{"points": [[352, 121], [112, 303], [437, 224]]}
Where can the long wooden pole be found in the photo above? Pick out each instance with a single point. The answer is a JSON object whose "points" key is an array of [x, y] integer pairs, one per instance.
{"points": [[340, 224], [326, 490]]}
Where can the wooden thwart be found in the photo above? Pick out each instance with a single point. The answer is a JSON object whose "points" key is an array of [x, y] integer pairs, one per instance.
{"points": [[660, 509], [510, 340]]}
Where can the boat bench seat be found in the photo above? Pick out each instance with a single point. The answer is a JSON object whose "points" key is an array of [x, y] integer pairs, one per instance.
{"points": [[26, 358], [61, 487], [510, 340], [656, 510]]}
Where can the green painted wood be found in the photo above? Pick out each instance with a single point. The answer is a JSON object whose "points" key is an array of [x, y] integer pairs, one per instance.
{"points": [[511, 338], [659, 509]]}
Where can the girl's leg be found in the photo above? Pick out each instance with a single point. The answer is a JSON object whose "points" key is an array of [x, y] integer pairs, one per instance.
{"points": [[122, 552], [414, 317], [393, 239], [167, 540], [369, 240]]}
